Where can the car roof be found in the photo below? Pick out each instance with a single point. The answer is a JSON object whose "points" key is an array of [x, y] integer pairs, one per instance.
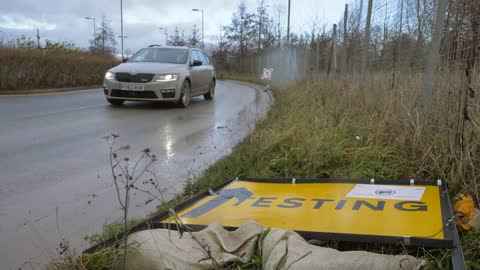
{"points": [[172, 47]]}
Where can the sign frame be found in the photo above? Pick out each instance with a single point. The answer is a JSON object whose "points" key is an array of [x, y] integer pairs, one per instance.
{"points": [[451, 240]]}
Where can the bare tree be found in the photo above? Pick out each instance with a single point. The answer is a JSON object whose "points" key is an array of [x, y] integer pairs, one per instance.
{"points": [[279, 11], [263, 23], [240, 32], [177, 39], [194, 38], [104, 41], [220, 53]]}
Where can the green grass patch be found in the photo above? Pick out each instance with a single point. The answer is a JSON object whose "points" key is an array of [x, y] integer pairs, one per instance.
{"points": [[110, 231], [306, 136]]}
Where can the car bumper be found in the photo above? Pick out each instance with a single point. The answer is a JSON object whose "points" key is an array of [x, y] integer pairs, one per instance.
{"points": [[157, 91]]}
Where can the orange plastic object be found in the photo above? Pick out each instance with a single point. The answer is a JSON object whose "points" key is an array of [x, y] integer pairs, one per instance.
{"points": [[465, 212]]}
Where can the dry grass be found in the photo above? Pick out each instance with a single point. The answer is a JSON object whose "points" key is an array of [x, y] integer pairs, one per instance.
{"points": [[322, 128], [35, 69]]}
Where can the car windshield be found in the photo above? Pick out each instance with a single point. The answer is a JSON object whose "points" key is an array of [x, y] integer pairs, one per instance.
{"points": [[161, 55]]}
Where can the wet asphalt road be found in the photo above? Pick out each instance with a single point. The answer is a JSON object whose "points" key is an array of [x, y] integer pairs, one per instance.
{"points": [[54, 176]]}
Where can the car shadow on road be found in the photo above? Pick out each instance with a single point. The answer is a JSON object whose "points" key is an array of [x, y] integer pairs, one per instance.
{"points": [[156, 105]]}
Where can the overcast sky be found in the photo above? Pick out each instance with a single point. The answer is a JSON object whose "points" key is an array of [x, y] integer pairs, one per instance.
{"points": [[63, 20]]}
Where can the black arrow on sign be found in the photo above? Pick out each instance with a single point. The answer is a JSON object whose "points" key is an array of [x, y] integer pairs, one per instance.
{"points": [[240, 193]]}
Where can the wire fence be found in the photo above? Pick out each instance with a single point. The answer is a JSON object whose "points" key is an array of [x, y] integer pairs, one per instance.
{"points": [[401, 36], [422, 55], [413, 44]]}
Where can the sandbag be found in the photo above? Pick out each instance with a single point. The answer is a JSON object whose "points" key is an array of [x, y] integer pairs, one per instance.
{"points": [[283, 249], [161, 249]]}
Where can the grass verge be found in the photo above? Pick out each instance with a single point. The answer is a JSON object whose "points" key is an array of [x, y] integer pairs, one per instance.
{"points": [[321, 129]]}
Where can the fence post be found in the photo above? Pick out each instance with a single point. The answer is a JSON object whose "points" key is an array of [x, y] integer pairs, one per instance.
{"points": [[288, 24], [365, 49], [396, 48], [345, 37], [360, 13], [332, 64], [317, 56], [295, 63], [38, 38], [433, 59]]}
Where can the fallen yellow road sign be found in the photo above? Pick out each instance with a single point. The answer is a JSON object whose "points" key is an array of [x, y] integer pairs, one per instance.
{"points": [[388, 211], [319, 208], [411, 213]]}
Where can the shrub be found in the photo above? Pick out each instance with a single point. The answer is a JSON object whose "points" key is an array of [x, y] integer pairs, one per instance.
{"points": [[25, 68]]}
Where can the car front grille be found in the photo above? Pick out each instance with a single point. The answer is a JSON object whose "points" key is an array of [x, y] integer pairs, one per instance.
{"points": [[133, 94], [137, 78]]}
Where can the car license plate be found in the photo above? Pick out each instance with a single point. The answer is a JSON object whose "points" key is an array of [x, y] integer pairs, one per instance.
{"points": [[132, 87]]}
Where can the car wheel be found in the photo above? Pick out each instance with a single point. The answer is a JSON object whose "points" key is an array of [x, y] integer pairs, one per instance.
{"points": [[211, 92], [185, 95], [115, 102]]}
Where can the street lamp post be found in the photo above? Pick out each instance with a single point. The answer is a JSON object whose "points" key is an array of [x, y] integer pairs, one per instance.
{"points": [[166, 35], [121, 25], [203, 41], [122, 37], [94, 29]]}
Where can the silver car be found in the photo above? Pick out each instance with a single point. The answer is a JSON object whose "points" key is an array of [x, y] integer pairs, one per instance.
{"points": [[159, 73]]}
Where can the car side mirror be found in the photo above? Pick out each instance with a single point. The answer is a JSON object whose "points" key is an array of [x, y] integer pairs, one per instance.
{"points": [[196, 63], [124, 60]]}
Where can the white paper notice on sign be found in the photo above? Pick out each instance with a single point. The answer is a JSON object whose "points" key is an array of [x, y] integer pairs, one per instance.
{"points": [[386, 192]]}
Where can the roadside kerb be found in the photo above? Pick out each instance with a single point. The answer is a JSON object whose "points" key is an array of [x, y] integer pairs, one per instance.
{"points": [[48, 91]]}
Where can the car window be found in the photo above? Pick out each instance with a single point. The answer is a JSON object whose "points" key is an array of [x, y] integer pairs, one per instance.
{"points": [[204, 58], [161, 55], [194, 56], [141, 56]]}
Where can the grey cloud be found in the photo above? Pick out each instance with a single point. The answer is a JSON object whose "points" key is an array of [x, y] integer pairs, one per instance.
{"points": [[142, 18]]}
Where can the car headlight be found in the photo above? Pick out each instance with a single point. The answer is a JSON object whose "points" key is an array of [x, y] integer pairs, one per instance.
{"points": [[166, 77], [109, 75]]}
